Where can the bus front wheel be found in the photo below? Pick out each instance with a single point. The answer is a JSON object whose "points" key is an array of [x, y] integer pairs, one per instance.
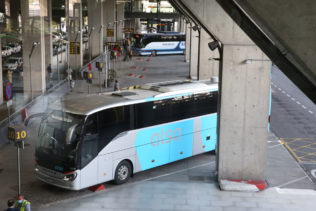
{"points": [[154, 53], [123, 172]]}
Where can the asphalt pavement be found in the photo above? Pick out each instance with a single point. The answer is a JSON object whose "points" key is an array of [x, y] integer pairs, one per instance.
{"points": [[293, 120]]}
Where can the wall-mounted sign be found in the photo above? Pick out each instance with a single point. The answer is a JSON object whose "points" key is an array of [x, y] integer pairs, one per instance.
{"points": [[110, 33], [74, 48]]}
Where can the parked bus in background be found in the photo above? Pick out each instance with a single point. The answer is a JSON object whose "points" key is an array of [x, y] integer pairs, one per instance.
{"points": [[159, 43], [97, 138]]}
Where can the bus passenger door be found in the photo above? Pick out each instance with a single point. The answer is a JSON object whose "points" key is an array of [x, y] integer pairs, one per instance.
{"points": [[89, 153], [105, 168]]}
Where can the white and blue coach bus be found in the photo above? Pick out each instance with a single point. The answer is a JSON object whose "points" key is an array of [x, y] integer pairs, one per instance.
{"points": [[159, 44], [111, 136]]}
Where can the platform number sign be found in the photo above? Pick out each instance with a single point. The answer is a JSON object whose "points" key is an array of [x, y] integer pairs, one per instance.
{"points": [[17, 133], [74, 47]]}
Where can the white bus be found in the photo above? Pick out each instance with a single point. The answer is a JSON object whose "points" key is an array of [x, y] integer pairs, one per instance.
{"points": [[111, 136], [159, 44]]}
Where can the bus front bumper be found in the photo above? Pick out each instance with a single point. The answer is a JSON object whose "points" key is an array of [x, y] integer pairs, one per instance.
{"points": [[56, 178]]}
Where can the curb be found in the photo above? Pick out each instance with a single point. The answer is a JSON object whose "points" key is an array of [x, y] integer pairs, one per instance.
{"points": [[131, 87], [242, 185]]}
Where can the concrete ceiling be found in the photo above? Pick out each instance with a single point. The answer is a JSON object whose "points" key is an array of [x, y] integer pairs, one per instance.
{"points": [[284, 29]]}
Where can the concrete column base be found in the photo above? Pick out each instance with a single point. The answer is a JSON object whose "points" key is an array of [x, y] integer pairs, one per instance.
{"points": [[242, 185]]}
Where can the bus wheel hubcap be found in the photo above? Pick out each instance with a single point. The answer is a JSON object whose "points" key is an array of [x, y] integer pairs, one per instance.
{"points": [[122, 172]]}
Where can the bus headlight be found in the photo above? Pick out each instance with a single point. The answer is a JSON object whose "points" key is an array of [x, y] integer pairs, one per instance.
{"points": [[70, 177]]}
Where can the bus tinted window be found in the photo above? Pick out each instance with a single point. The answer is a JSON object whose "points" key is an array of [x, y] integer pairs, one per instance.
{"points": [[169, 110], [89, 149], [112, 122], [206, 104], [144, 114]]}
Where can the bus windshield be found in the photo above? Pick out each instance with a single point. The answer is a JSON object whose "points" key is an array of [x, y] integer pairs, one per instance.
{"points": [[59, 136], [138, 41]]}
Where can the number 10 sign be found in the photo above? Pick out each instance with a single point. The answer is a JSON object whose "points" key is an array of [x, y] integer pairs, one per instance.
{"points": [[16, 133]]}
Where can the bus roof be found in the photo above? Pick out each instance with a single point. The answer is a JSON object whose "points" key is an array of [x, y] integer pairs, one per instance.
{"points": [[160, 34], [84, 104]]}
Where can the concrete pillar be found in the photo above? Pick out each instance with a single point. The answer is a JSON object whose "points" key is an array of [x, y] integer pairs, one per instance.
{"points": [[74, 30], [15, 6], [95, 20], [194, 54], [137, 25], [182, 25], [120, 21], [208, 60], [48, 35], [8, 14], [1, 79], [33, 32], [244, 97], [176, 25], [244, 108], [187, 42], [109, 9]]}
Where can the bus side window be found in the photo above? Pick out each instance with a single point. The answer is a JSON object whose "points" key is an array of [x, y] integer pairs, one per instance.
{"points": [[112, 122], [91, 126], [89, 148]]}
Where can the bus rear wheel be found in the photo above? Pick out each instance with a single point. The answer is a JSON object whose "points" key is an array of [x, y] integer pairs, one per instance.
{"points": [[122, 172], [154, 53]]}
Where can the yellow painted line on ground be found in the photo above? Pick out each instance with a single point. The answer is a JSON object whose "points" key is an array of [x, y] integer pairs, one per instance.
{"points": [[308, 160], [296, 151], [295, 140], [305, 146], [307, 154], [282, 140], [288, 141], [292, 152]]}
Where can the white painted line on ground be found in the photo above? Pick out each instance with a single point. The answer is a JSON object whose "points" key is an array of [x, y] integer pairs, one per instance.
{"points": [[175, 172], [303, 107], [274, 146], [288, 95], [295, 191], [293, 99], [311, 112], [298, 102], [292, 181], [283, 92], [279, 89], [299, 166]]}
